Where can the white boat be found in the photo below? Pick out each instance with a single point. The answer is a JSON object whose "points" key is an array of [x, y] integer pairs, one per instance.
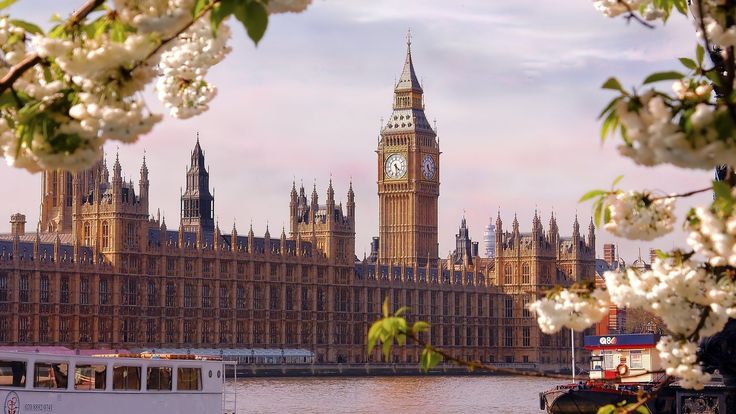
{"points": [[65, 382]]}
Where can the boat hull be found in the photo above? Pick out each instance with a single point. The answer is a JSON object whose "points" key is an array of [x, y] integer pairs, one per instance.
{"points": [[585, 401], [95, 402]]}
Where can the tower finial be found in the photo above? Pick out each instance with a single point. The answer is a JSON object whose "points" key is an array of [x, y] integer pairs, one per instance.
{"points": [[408, 38]]}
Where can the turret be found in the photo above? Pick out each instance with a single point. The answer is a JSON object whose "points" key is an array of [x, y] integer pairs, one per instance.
{"points": [[351, 203], [576, 232], [216, 244], [591, 235], [143, 185], [536, 227], [554, 232], [234, 238], [499, 232], [117, 179]]}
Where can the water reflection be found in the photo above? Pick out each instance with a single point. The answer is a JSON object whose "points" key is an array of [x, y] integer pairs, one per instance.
{"points": [[421, 394]]}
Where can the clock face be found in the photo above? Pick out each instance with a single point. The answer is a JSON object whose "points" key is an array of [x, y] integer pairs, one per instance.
{"points": [[428, 167], [395, 166]]}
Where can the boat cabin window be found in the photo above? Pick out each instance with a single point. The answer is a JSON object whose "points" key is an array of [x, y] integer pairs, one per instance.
{"points": [[596, 363], [158, 379], [50, 375], [90, 377], [608, 360], [189, 379], [126, 378], [12, 373], [636, 360]]}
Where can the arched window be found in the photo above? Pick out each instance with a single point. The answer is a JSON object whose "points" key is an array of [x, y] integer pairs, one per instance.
{"points": [[508, 273], [87, 234], [105, 235], [525, 274]]}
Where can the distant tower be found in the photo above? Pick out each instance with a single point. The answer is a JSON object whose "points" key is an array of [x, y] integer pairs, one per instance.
{"points": [[197, 204], [408, 176], [489, 239]]}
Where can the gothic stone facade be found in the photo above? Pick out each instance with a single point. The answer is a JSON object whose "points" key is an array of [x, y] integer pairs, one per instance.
{"points": [[100, 272]]}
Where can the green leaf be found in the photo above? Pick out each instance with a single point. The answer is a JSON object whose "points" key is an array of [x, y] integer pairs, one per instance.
{"points": [[591, 194], [6, 3], [373, 334], [254, 17], [642, 409], [420, 326], [714, 77], [613, 84], [688, 63], [199, 6], [610, 105], [402, 310], [722, 190], [699, 53], [55, 18], [681, 6], [27, 26], [386, 308], [220, 12], [597, 212], [616, 181], [429, 359], [386, 349], [7, 99], [607, 409], [117, 32], [660, 76]]}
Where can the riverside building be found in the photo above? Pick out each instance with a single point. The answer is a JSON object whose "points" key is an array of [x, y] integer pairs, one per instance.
{"points": [[101, 272]]}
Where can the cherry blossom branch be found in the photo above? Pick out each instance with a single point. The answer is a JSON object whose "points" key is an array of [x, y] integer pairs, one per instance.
{"points": [[201, 14], [33, 59]]}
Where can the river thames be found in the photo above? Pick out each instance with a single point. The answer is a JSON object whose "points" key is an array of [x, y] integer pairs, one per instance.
{"points": [[420, 394]]}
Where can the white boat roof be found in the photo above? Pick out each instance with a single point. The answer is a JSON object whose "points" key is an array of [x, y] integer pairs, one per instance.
{"points": [[230, 352]]}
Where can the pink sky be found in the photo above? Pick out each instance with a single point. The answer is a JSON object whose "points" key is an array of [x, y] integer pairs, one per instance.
{"points": [[514, 87]]}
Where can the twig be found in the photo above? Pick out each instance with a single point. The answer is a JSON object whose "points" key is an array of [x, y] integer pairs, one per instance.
{"points": [[31, 60], [687, 194], [632, 15]]}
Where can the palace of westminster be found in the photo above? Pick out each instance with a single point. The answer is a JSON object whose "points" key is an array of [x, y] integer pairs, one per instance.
{"points": [[100, 272]]}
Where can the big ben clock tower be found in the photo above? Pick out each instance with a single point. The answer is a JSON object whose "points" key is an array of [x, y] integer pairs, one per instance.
{"points": [[408, 176]]}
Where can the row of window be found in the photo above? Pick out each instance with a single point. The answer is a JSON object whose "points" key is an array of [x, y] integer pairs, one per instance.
{"points": [[94, 376]]}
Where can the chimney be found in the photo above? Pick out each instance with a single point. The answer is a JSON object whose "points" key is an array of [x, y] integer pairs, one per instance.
{"points": [[18, 224], [652, 255], [609, 253], [475, 249]]}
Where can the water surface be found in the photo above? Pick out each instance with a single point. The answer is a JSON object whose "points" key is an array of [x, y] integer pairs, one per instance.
{"points": [[421, 394]]}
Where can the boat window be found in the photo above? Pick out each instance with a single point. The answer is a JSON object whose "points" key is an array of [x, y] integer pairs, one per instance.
{"points": [[636, 360], [189, 379], [158, 379], [12, 373], [90, 376], [126, 378], [50, 374], [596, 363]]}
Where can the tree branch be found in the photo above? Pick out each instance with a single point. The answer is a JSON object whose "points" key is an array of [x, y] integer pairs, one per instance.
{"points": [[31, 60]]}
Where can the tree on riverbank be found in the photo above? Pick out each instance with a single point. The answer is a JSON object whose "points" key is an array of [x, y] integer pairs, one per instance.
{"points": [[688, 122], [65, 92]]}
